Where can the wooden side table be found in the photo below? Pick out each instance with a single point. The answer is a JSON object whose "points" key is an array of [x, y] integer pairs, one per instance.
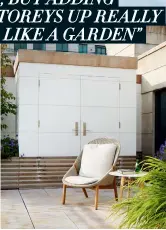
{"points": [[126, 178]]}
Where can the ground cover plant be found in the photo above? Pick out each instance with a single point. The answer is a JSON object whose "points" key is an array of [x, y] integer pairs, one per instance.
{"points": [[147, 209]]}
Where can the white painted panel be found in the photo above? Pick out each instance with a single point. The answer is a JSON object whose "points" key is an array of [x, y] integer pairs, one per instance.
{"points": [[33, 69], [59, 144], [128, 144], [29, 69], [127, 75], [51, 47], [58, 119], [100, 119], [28, 118], [99, 93], [28, 144], [128, 94], [92, 136], [91, 48], [73, 48], [28, 91], [59, 92], [128, 120], [138, 88], [30, 46]]}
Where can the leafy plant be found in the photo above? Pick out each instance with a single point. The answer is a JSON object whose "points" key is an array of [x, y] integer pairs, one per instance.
{"points": [[162, 151], [9, 148], [147, 209], [7, 105]]}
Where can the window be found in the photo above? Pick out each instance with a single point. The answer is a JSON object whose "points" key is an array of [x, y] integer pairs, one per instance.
{"points": [[83, 48], [100, 50], [37, 46], [62, 47], [18, 46]]}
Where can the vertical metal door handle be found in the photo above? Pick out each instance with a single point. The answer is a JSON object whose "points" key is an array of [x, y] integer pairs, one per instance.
{"points": [[76, 129], [84, 129]]}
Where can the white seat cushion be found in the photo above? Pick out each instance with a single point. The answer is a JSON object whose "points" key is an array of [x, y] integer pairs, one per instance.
{"points": [[97, 160], [79, 180]]}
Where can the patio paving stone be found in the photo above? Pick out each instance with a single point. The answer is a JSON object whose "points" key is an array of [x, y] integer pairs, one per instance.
{"points": [[41, 208]]}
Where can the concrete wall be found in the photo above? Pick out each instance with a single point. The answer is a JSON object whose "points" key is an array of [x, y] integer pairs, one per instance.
{"points": [[139, 119], [152, 67]]}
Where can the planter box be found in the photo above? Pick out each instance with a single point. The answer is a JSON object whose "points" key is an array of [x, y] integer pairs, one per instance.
{"points": [[18, 173]]}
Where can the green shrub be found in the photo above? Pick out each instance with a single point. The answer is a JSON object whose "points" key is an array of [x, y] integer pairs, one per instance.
{"points": [[9, 148], [147, 209]]}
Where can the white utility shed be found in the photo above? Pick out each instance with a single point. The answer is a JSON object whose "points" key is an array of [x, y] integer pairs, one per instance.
{"points": [[66, 100]]}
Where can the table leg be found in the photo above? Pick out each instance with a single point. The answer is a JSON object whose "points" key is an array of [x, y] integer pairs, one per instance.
{"points": [[129, 188], [141, 185], [122, 186]]}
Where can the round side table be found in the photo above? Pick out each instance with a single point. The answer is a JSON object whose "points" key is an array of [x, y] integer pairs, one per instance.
{"points": [[126, 178]]}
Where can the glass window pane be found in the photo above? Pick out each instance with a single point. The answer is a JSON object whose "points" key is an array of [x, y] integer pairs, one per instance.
{"points": [[58, 47], [101, 50], [104, 51], [65, 47], [18, 46], [83, 48], [37, 46], [62, 47]]}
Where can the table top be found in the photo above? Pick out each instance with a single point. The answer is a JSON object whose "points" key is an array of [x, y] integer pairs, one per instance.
{"points": [[133, 175]]}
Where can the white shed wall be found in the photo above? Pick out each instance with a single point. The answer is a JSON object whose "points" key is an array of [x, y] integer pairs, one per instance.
{"points": [[29, 99]]}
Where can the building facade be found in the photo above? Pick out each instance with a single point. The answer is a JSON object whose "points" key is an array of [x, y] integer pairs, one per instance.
{"points": [[152, 67], [155, 35]]}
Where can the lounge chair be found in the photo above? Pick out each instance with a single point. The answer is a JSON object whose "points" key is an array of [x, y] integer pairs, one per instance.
{"points": [[92, 167]]}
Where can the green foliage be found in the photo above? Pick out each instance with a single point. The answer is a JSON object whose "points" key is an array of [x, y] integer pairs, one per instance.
{"points": [[147, 209], [7, 105], [9, 148]]}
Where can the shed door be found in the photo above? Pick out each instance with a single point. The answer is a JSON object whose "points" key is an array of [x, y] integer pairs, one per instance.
{"points": [[99, 108], [160, 118], [59, 110]]}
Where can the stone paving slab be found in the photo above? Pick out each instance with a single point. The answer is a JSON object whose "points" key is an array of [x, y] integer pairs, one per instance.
{"points": [[42, 209]]}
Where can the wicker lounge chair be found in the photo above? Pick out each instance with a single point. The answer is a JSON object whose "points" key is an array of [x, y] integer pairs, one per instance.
{"points": [[106, 182]]}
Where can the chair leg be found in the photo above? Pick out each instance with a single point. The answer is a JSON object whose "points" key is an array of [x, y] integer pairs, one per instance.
{"points": [[85, 192], [115, 190], [64, 194], [96, 197]]}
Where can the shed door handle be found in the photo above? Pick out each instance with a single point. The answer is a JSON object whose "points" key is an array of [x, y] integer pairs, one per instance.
{"points": [[84, 129], [76, 129]]}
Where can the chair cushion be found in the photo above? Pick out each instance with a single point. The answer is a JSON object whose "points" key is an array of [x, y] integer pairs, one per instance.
{"points": [[97, 160], [79, 180]]}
